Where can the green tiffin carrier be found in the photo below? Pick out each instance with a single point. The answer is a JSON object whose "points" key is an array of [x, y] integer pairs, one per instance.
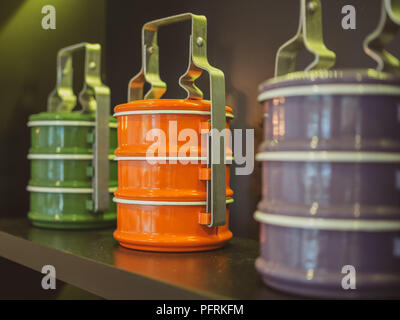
{"points": [[73, 174]]}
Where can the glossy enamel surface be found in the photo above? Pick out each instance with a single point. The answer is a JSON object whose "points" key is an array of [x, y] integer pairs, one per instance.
{"points": [[166, 226], [343, 128], [53, 167], [66, 173], [65, 139], [310, 261]]}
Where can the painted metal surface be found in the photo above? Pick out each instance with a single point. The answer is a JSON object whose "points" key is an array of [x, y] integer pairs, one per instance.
{"points": [[61, 172], [161, 205], [330, 208], [331, 188]]}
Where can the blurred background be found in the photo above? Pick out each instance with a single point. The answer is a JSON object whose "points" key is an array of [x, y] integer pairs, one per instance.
{"points": [[243, 37]]}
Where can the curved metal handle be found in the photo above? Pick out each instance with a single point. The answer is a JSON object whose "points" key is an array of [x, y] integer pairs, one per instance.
{"points": [[309, 36], [374, 44], [198, 62], [62, 98], [150, 60], [94, 97]]}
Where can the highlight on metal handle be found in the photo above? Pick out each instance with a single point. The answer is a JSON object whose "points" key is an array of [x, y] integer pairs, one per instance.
{"points": [[94, 97], [388, 26], [309, 36], [198, 62]]}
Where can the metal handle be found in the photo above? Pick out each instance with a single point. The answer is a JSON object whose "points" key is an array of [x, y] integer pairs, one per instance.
{"points": [[94, 97], [388, 26], [198, 62], [309, 36]]}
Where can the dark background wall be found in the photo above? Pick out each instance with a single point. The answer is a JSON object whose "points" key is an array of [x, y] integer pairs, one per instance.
{"points": [[243, 37]]}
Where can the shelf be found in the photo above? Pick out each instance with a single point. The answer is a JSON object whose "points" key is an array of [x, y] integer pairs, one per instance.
{"points": [[93, 261]]}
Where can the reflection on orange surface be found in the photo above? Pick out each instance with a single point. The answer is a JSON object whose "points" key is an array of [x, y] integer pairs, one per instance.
{"points": [[167, 227], [132, 129], [141, 180]]}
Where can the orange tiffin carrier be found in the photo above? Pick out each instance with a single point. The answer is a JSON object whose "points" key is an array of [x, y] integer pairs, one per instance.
{"points": [[172, 195]]}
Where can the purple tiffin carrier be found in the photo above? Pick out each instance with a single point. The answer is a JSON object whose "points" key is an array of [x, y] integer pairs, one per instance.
{"points": [[330, 208]]}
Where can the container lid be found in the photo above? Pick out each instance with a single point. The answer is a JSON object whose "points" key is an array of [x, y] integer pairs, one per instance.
{"points": [[314, 82], [170, 105], [66, 116]]}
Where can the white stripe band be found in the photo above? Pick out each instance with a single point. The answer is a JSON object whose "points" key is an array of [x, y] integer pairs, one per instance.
{"points": [[64, 190], [331, 89], [165, 203], [198, 112], [64, 156], [327, 224], [328, 156], [67, 123], [165, 158], [160, 158]]}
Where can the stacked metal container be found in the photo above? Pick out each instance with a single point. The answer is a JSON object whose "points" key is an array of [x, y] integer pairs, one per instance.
{"points": [[172, 201], [330, 212], [72, 171]]}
